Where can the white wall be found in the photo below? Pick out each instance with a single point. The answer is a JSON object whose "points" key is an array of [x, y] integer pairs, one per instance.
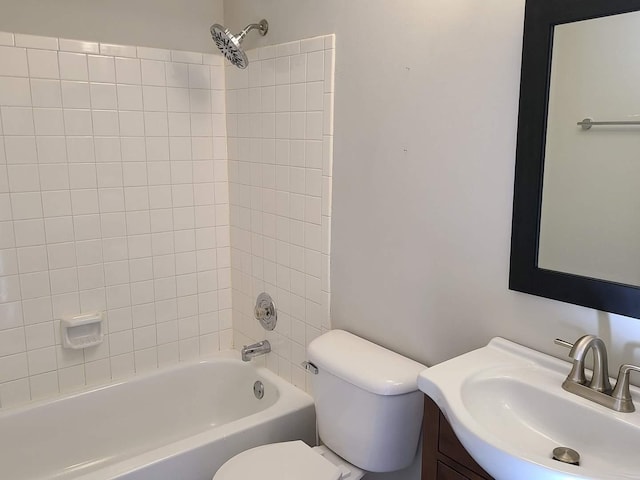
{"points": [[172, 24], [425, 131]]}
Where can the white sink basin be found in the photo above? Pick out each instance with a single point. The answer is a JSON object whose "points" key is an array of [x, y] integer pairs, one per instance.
{"points": [[506, 404]]}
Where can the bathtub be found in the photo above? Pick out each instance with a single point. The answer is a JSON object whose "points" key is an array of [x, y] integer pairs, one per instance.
{"points": [[180, 423]]}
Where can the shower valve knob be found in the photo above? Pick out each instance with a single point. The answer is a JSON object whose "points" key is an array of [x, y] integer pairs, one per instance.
{"points": [[265, 311]]}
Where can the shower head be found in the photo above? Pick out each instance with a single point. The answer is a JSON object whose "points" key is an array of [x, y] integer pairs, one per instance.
{"points": [[230, 44]]}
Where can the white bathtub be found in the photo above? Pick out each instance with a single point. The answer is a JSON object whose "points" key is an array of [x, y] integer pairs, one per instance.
{"points": [[181, 423]]}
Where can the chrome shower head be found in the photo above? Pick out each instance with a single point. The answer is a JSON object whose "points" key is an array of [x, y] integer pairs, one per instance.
{"points": [[229, 44]]}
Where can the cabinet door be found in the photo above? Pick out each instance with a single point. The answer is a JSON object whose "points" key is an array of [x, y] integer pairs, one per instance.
{"points": [[448, 473], [443, 456], [449, 444]]}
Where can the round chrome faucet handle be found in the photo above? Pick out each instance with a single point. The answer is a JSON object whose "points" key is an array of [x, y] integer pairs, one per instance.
{"points": [[265, 311]]}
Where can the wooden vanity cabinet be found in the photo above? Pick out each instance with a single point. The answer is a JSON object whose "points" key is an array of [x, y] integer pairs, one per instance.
{"points": [[443, 456]]}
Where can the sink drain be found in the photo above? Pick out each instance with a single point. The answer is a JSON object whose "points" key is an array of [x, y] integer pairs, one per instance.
{"points": [[566, 455]]}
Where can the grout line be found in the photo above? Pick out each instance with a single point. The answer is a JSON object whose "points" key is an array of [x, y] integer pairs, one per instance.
{"points": [[146, 167], [24, 330], [170, 186], [126, 236]]}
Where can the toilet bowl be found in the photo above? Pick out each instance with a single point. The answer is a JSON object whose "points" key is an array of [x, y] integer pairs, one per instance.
{"points": [[369, 415]]}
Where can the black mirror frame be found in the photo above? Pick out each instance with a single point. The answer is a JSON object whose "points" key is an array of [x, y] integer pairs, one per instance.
{"points": [[540, 18]]}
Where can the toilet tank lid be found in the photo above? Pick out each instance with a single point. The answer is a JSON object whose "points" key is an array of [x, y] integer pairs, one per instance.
{"points": [[364, 364]]}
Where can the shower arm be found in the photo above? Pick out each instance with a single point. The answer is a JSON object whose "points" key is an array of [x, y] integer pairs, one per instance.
{"points": [[262, 28]]}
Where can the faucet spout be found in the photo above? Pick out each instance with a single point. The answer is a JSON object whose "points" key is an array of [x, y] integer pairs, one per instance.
{"points": [[600, 379], [255, 349]]}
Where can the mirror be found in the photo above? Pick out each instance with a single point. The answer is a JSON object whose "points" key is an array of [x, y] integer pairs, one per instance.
{"points": [[589, 223], [576, 220]]}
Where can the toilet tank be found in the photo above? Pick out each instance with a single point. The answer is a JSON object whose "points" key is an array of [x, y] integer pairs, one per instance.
{"points": [[368, 405]]}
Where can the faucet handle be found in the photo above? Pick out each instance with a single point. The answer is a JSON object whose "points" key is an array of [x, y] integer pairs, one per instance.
{"points": [[563, 343], [621, 393]]}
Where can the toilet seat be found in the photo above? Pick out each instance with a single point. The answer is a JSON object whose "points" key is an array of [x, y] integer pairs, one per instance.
{"points": [[285, 461]]}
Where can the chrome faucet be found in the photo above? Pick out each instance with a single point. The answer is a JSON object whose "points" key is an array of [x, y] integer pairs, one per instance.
{"points": [[600, 378], [255, 349], [598, 389]]}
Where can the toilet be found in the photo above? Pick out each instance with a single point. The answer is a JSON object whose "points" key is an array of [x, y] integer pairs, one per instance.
{"points": [[369, 415]]}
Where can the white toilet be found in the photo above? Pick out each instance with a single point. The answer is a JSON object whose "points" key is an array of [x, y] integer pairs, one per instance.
{"points": [[369, 412]]}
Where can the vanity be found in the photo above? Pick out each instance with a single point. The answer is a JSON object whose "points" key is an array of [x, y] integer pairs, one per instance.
{"points": [[443, 456]]}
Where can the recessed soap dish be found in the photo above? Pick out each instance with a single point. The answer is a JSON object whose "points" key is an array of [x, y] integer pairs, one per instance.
{"points": [[82, 331]]}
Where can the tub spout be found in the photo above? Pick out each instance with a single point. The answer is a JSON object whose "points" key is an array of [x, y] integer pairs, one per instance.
{"points": [[256, 349]]}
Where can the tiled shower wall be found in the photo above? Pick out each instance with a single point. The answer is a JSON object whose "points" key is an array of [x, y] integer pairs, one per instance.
{"points": [[280, 138], [113, 197]]}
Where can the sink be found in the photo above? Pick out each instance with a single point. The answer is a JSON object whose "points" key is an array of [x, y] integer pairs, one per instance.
{"points": [[506, 404]]}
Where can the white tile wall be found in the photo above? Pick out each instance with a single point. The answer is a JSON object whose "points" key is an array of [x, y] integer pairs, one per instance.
{"points": [[280, 137], [114, 197]]}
